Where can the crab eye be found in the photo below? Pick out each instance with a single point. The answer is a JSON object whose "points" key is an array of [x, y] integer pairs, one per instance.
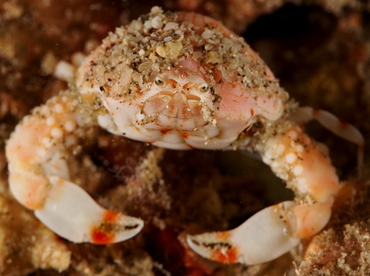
{"points": [[204, 87], [159, 81]]}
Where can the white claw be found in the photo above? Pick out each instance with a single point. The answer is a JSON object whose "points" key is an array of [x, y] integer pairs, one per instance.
{"points": [[263, 237], [72, 214]]}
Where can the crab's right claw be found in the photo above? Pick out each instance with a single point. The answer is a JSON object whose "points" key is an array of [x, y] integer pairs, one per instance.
{"points": [[72, 214], [263, 237]]}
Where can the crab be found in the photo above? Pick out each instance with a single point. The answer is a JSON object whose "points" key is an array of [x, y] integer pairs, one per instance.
{"points": [[179, 81]]}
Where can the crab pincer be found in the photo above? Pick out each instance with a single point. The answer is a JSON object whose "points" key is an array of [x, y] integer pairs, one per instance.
{"points": [[273, 231], [39, 176]]}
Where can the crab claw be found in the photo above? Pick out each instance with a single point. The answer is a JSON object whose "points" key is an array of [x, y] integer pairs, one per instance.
{"points": [[263, 237], [72, 214]]}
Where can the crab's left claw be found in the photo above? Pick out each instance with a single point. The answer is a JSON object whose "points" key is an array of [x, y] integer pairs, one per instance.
{"points": [[275, 230], [72, 214], [263, 237]]}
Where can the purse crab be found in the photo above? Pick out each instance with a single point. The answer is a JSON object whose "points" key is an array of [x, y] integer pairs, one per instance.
{"points": [[179, 81]]}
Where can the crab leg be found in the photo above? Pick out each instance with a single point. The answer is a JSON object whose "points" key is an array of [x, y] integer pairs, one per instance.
{"points": [[331, 122], [39, 176], [298, 160]]}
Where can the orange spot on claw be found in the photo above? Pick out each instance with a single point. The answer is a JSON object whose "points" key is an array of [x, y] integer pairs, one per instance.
{"points": [[224, 235], [104, 234], [228, 257], [100, 236], [110, 216]]}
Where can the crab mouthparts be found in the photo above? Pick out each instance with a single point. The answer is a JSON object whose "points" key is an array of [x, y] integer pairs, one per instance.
{"points": [[170, 109], [179, 111]]}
